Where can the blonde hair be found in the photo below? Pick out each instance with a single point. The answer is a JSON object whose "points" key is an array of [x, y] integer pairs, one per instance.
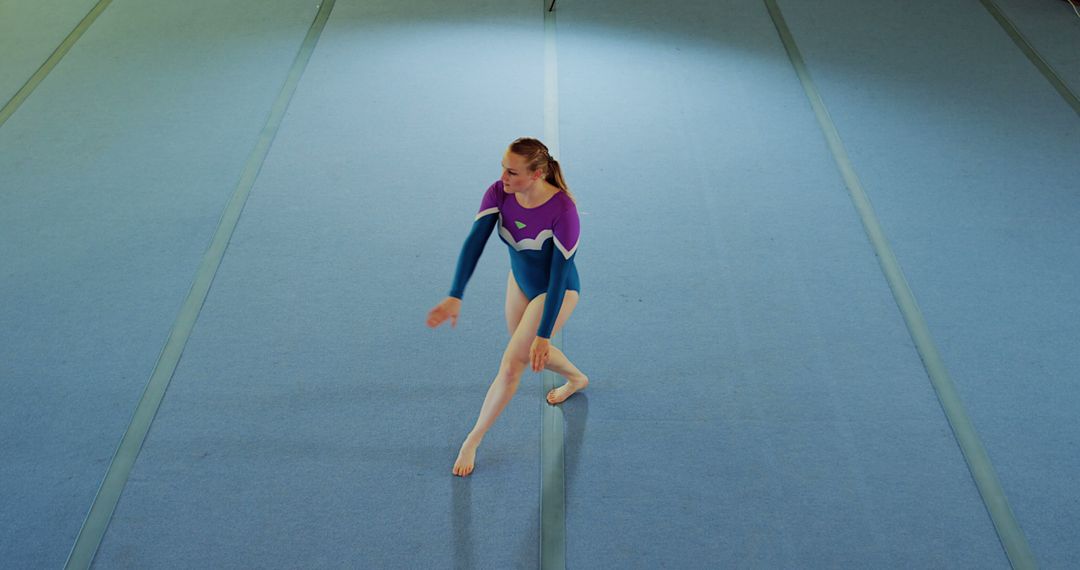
{"points": [[537, 157]]}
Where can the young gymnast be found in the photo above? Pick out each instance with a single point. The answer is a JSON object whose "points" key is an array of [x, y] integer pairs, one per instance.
{"points": [[538, 220]]}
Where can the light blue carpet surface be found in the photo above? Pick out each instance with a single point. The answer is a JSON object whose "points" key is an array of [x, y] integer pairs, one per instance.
{"points": [[756, 401], [29, 33], [756, 398], [314, 420], [1052, 28], [113, 176], [969, 157]]}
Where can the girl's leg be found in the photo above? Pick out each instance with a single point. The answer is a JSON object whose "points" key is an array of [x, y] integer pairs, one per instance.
{"points": [[516, 301], [575, 380], [514, 362], [559, 363]]}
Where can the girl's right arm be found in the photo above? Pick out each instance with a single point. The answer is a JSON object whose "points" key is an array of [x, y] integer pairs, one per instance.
{"points": [[470, 255], [470, 252], [484, 222]]}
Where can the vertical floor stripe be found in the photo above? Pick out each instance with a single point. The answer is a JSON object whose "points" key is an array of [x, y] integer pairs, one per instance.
{"points": [[97, 520], [65, 46], [1036, 59], [1011, 536], [552, 484]]}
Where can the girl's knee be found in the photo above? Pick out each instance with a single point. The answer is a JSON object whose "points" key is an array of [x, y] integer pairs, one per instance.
{"points": [[513, 366]]}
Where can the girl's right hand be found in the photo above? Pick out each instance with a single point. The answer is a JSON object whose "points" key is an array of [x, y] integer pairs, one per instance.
{"points": [[447, 309]]}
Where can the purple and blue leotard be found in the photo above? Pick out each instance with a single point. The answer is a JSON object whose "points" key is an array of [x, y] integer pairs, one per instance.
{"points": [[542, 241]]}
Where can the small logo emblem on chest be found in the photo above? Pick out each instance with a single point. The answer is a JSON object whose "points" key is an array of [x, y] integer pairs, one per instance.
{"points": [[519, 225]]}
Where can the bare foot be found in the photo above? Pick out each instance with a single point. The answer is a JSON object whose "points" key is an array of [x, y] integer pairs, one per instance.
{"points": [[463, 467], [558, 395]]}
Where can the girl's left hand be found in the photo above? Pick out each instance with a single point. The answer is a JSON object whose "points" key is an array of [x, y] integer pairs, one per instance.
{"points": [[538, 353]]}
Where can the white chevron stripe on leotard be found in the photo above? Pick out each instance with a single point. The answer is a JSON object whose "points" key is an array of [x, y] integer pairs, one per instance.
{"points": [[562, 248], [534, 244], [487, 212], [528, 244]]}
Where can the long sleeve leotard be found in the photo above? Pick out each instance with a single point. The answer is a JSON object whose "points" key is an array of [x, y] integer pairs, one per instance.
{"points": [[542, 242]]}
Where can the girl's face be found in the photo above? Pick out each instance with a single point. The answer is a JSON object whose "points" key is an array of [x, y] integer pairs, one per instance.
{"points": [[515, 175]]}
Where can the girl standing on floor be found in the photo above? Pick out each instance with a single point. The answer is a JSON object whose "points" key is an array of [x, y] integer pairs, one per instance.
{"points": [[537, 218]]}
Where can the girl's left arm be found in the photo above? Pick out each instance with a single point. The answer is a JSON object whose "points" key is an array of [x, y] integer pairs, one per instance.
{"points": [[566, 230]]}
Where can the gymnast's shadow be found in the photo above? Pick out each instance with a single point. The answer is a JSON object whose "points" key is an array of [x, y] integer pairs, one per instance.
{"points": [[576, 415], [461, 514], [575, 419]]}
